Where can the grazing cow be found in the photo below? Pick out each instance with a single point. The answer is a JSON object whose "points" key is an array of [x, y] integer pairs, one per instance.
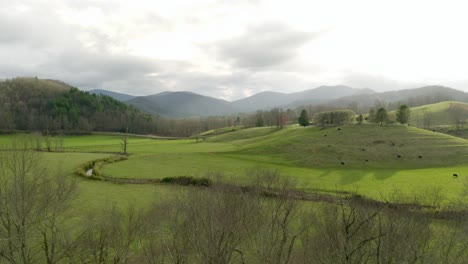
{"points": [[455, 175], [342, 163], [324, 135], [398, 156], [420, 156], [338, 129], [363, 149], [393, 144], [367, 160]]}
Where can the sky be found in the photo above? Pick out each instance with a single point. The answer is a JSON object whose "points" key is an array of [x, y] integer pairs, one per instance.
{"points": [[231, 49]]}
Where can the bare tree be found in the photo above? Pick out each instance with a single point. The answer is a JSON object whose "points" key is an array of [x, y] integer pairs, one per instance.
{"points": [[32, 207], [345, 233], [124, 141], [427, 119], [273, 234], [109, 236]]}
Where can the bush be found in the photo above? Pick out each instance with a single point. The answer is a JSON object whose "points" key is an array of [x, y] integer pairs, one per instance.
{"points": [[187, 180]]}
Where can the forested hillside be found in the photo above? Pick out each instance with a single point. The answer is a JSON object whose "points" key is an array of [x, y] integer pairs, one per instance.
{"points": [[52, 106], [48, 105]]}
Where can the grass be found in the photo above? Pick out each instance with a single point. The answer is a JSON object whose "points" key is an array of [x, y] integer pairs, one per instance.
{"points": [[353, 145], [314, 160], [305, 154]]}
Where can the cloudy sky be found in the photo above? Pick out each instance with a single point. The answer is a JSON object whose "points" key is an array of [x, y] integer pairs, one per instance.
{"points": [[234, 48]]}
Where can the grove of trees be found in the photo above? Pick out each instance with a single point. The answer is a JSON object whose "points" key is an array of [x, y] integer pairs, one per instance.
{"points": [[337, 117]]}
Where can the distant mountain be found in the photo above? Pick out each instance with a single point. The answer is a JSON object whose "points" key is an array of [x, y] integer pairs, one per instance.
{"points": [[182, 104], [325, 93], [188, 104], [411, 97], [267, 100], [117, 96], [262, 100]]}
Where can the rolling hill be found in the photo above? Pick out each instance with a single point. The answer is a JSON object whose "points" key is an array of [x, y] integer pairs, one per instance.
{"points": [[365, 146], [439, 114]]}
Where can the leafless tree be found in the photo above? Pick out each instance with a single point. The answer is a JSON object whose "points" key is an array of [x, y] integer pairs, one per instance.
{"points": [[32, 207], [110, 236], [273, 234], [124, 141]]}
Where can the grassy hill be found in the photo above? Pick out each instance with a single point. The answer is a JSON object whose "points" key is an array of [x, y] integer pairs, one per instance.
{"points": [[439, 114], [365, 146]]}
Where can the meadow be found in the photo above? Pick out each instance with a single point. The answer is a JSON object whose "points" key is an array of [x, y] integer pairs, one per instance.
{"points": [[370, 160], [350, 170]]}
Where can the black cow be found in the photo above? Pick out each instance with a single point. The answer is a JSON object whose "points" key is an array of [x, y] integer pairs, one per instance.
{"points": [[455, 175]]}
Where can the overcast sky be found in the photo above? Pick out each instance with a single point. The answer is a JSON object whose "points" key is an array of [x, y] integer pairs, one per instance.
{"points": [[234, 48]]}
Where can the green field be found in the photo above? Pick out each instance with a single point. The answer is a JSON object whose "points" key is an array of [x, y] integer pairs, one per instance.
{"points": [[313, 159], [305, 154]]}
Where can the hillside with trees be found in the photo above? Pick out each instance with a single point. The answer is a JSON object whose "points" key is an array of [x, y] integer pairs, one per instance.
{"points": [[50, 106]]}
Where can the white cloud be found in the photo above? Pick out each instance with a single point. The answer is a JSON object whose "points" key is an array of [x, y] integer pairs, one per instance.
{"points": [[231, 49]]}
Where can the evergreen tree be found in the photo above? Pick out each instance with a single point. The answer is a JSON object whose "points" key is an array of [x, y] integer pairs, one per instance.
{"points": [[303, 119]]}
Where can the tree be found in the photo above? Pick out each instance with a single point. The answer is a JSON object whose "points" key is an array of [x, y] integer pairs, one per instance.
{"points": [[260, 122], [427, 119], [337, 117], [238, 121], [403, 114], [303, 119], [458, 114], [124, 141], [33, 206], [381, 116], [359, 119]]}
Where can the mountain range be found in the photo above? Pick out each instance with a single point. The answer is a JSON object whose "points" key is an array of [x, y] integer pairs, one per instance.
{"points": [[187, 104]]}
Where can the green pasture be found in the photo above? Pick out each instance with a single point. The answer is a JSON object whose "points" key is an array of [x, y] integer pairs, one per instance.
{"points": [[305, 154], [313, 159]]}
